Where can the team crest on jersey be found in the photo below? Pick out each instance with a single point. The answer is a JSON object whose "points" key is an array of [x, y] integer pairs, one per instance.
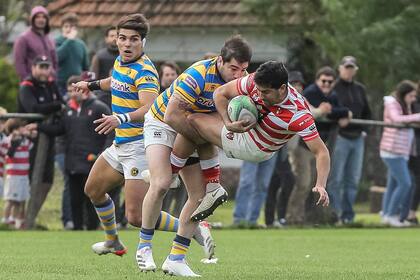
{"points": [[191, 82], [134, 171], [229, 135], [128, 71]]}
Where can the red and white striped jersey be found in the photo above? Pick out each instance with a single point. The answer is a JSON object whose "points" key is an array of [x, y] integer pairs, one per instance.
{"points": [[3, 152], [278, 123], [18, 165]]}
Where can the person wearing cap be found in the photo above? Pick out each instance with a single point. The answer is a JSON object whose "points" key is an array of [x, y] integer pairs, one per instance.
{"points": [[34, 42], [324, 104], [347, 157], [81, 149], [71, 51], [39, 94]]}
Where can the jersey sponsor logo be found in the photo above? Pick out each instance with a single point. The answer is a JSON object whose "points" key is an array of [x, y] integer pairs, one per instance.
{"points": [[312, 127], [302, 123], [205, 101], [134, 171], [149, 79], [191, 82], [120, 86]]}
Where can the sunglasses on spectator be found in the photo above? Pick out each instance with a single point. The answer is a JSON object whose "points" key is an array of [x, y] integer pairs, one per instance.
{"points": [[327, 81]]}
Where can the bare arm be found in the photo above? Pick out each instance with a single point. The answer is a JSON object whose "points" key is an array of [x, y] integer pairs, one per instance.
{"points": [[176, 115], [322, 157], [104, 84]]}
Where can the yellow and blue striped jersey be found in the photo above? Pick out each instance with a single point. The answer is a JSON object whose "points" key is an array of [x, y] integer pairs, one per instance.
{"points": [[127, 80], [196, 86]]}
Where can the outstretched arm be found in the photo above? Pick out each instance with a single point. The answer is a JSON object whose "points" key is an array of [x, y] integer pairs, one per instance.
{"points": [[322, 156]]}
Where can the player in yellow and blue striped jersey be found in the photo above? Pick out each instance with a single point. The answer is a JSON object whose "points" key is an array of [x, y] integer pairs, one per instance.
{"points": [[192, 92]]}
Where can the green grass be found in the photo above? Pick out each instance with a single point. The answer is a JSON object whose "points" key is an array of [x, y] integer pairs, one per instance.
{"points": [[243, 254]]}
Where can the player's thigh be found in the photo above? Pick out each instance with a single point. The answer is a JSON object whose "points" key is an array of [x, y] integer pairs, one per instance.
{"points": [[158, 158], [209, 126], [193, 179], [102, 178]]}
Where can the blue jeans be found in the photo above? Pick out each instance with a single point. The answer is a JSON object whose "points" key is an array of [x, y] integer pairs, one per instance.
{"points": [[65, 200], [346, 170], [396, 199], [252, 190]]}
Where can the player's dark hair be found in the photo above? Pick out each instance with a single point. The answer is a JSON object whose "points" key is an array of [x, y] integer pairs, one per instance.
{"points": [[236, 47], [171, 65], [271, 74], [70, 18], [106, 32], [327, 71], [136, 22], [12, 124]]}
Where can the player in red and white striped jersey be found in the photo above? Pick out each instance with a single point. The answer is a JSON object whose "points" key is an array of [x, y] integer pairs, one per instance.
{"points": [[283, 113]]}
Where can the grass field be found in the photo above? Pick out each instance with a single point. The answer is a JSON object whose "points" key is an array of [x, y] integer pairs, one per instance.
{"points": [[323, 253], [243, 254]]}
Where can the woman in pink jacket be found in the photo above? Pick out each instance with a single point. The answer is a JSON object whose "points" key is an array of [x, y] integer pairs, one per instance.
{"points": [[395, 148]]}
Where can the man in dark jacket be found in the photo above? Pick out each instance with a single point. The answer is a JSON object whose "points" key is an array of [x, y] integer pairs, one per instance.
{"points": [[83, 146], [347, 157], [39, 94], [34, 42]]}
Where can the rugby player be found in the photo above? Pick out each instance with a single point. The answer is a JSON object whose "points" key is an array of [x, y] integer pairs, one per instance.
{"points": [[134, 85], [190, 93]]}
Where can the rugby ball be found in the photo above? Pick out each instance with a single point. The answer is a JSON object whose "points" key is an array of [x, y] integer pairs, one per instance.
{"points": [[242, 107]]}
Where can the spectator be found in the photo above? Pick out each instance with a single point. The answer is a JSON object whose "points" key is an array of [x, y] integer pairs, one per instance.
{"points": [[169, 71], [71, 52], [347, 157], [395, 148], [16, 188], [324, 103], [34, 42], [39, 94], [252, 191], [81, 149], [414, 164], [283, 180], [3, 149], [103, 60]]}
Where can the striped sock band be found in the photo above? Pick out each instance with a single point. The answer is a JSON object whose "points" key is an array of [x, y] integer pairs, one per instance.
{"points": [[177, 163], [179, 248], [146, 236], [166, 222], [211, 171], [106, 214]]}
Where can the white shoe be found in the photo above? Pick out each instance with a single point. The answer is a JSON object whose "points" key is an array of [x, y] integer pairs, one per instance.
{"points": [[175, 183], [385, 220], [178, 268], [203, 237], [209, 203], [69, 225], [115, 247], [144, 258], [394, 221]]}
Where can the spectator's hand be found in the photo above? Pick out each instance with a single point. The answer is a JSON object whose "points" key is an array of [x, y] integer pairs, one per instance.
{"points": [[106, 124], [325, 108], [350, 114], [31, 127], [81, 87], [324, 199], [343, 122], [240, 126]]}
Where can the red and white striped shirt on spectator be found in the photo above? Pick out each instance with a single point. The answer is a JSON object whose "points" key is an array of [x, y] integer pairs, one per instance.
{"points": [[279, 123], [3, 152], [18, 164]]}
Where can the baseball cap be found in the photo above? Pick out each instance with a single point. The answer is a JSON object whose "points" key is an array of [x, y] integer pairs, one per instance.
{"points": [[41, 60], [296, 76], [349, 61]]}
